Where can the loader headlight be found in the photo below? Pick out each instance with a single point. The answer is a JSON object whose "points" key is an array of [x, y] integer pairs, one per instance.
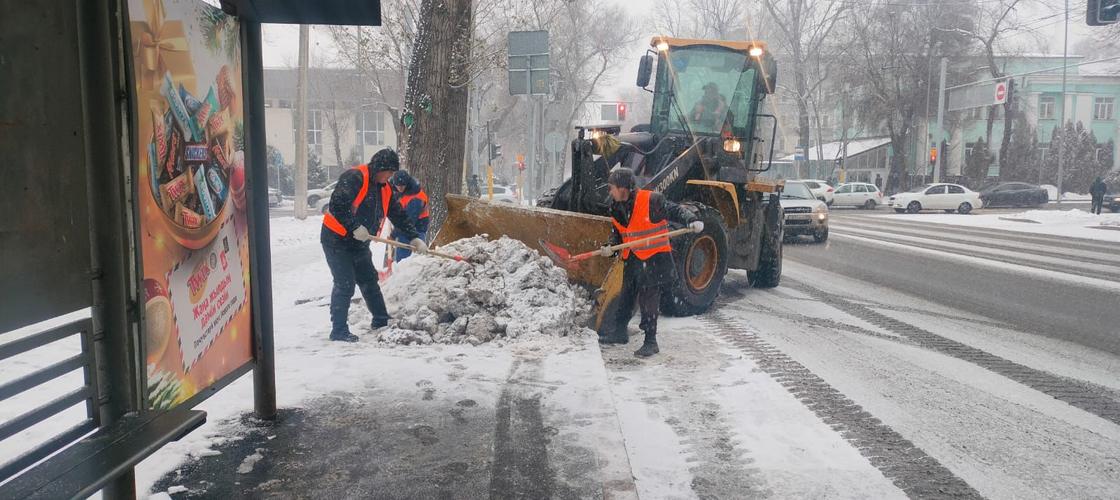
{"points": [[662, 46], [598, 134], [755, 51], [732, 145]]}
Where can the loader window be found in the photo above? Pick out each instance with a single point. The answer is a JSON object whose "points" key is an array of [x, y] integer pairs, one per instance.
{"points": [[709, 88]]}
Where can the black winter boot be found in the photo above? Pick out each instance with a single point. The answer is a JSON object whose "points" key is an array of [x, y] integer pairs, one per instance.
{"points": [[649, 347]]}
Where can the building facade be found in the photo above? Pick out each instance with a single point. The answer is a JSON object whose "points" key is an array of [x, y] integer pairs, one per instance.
{"points": [[346, 120]]}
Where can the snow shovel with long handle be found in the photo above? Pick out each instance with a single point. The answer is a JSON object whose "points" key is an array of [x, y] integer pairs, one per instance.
{"points": [[566, 260], [394, 243]]}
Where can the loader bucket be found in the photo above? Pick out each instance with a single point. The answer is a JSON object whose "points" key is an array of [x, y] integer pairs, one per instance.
{"points": [[576, 232]]}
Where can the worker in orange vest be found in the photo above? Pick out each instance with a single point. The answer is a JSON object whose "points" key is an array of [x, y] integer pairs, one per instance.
{"points": [[360, 203], [637, 214], [415, 203]]}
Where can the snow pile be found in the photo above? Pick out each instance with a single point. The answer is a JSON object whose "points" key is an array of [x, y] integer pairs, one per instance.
{"points": [[507, 290], [1069, 217], [1052, 190]]}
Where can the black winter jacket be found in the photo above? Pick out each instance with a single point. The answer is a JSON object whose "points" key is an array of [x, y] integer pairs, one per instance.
{"points": [[369, 212]]}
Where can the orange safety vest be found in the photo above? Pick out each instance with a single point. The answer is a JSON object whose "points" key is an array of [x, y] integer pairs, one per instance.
{"points": [[407, 198], [641, 227], [333, 224]]}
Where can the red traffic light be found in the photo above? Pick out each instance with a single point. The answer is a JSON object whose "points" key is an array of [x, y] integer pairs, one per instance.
{"points": [[621, 111]]}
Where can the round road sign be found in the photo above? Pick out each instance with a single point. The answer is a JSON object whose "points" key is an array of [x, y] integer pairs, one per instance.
{"points": [[554, 142], [1001, 92]]}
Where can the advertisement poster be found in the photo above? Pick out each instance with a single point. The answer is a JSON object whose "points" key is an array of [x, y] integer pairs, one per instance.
{"points": [[190, 173]]}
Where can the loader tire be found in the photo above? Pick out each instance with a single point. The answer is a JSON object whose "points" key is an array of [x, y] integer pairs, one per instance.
{"points": [[769, 272], [701, 264]]}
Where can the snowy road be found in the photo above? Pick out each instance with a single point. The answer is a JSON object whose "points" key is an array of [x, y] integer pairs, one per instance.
{"points": [[830, 386]]}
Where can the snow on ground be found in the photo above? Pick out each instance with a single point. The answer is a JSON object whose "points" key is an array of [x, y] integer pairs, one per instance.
{"points": [[1052, 190], [1070, 223], [308, 365]]}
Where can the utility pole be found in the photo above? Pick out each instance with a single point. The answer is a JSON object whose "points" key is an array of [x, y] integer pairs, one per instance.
{"points": [[939, 134], [534, 169], [301, 126], [1062, 119]]}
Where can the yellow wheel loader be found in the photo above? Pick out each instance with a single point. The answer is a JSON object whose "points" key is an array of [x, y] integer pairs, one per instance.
{"points": [[702, 148]]}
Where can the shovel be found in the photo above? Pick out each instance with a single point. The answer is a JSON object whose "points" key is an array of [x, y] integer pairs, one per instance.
{"points": [[394, 243], [566, 260]]}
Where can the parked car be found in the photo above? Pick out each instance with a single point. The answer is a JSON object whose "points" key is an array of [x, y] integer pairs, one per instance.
{"points": [[505, 194], [1112, 201], [314, 195], [857, 194], [274, 197], [821, 190], [1014, 194], [948, 197], [805, 213]]}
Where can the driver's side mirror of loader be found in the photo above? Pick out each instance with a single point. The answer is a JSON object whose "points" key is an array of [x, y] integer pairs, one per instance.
{"points": [[645, 70]]}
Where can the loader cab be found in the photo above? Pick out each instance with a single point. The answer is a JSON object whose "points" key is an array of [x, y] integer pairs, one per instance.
{"points": [[709, 89]]}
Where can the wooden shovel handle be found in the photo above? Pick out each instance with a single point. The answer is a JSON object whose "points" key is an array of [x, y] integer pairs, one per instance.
{"points": [[394, 243], [621, 246]]}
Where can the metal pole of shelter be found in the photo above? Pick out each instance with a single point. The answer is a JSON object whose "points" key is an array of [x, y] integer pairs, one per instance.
{"points": [[939, 135], [534, 170], [114, 325], [260, 258]]}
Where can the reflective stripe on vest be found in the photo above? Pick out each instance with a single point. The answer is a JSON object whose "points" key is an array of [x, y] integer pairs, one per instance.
{"points": [[641, 227], [406, 199], [334, 225]]}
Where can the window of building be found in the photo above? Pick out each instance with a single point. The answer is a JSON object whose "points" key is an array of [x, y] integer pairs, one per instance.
{"points": [[1099, 154], [284, 103], [1046, 107], [1103, 108], [826, 121], [314, 130], [371, 127]]}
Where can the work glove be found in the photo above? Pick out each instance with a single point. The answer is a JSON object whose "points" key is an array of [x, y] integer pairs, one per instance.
{"points": [[419, 245], [605, 251], [362, 234], [696, 226]]}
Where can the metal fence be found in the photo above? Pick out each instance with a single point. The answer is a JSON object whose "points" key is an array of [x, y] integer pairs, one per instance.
{"points": [[88, 392]]}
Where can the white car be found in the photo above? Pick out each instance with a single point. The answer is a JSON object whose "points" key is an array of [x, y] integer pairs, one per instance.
{"points": [[857, 194], [948, 197], [314, 195], [503, 194], [821, 190]]}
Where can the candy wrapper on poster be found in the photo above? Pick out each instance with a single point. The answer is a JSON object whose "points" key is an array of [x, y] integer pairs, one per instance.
{"points": [[193, 235]]}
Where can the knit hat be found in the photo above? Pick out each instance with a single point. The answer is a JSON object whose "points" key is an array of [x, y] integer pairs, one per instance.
{"points": [[385, 160], [622, 177]]}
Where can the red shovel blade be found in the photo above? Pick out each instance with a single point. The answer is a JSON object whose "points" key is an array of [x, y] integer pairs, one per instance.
{"points": [[559, 255]]}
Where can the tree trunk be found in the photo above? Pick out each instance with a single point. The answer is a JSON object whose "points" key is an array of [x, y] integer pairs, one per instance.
{"points": [[436, 96]]}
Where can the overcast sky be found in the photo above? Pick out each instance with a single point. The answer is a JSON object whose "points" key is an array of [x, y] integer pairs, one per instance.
{"points": [[281, 42]]}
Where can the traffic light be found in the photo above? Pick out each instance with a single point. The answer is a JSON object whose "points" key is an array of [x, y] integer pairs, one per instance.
{"points": [[1102, 12], [622, 109], [495, 151], [933, 154]]}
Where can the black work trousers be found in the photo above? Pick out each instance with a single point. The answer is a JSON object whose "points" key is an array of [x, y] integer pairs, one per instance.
{"points": [[648, 298], [352, 265], [1098, 203]]}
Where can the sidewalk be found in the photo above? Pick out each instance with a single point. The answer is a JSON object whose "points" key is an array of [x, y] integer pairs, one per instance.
{"points": [[526, 421]]}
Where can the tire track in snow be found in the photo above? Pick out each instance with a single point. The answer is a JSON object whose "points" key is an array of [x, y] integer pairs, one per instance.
{"points": [[520, 465], [910, 468], [1095, 399]]}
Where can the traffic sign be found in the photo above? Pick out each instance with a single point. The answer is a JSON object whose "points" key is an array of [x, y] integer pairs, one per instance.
{"points": [[1001, 92], [554, 142]]}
